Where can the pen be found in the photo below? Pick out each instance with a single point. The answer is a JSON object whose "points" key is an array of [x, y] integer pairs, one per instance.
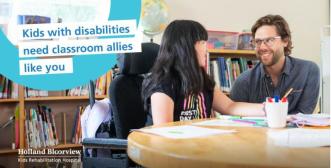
{"points": [[287, 93]]}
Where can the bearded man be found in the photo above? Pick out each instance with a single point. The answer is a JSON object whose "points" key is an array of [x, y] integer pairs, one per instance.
{"points": [[278, 72]]}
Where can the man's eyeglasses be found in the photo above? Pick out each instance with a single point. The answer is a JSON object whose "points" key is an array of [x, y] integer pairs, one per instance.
{"points": [[267, 41]]}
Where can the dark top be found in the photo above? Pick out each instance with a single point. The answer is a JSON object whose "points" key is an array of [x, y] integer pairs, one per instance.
{"points": [[303, 76], [189, 108]]}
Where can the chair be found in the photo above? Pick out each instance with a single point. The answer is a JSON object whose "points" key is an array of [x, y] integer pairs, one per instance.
{"points": [[127, 107]]}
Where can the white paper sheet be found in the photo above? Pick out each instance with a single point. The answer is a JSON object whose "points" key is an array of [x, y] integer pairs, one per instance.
{"points": [[300, 137], [187, 131]]}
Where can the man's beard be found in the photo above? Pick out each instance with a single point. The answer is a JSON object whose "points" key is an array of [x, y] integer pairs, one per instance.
{"points": [[274, 58]]}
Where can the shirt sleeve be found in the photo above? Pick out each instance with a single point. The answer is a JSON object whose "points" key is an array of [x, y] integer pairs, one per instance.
{"points": [[162, 87], [239, 91], [309, 98], [166, 88]]}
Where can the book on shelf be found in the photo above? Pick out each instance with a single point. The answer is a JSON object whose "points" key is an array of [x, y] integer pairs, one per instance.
{"points": [[8, 89], [56, 136], [79, 91], [27, 129], [17, 127], [50, 124], [215, 73], [101, 87], [76, 136], [225, 71], [40, 127], [28, 92], [91, 94]]}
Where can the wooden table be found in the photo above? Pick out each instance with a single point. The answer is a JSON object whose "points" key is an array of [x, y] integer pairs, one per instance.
{"points": [[249, 147]]}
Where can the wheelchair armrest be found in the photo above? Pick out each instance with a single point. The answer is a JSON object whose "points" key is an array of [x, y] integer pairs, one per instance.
{"points": [[106, 143]]}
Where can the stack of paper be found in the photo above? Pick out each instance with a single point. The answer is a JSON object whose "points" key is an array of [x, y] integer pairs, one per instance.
{"points": [[310, 119]]}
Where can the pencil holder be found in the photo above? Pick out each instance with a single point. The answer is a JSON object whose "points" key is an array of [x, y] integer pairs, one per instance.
{"points": [[276, 114]]}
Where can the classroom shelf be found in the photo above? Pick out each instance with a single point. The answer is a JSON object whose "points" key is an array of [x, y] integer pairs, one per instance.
{"points": [[8, 151], [241, 52], [9, 100], [222, 55], [62, 98]]}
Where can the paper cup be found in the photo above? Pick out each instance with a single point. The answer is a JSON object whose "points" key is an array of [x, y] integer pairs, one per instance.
{"points": [[276, 114]]}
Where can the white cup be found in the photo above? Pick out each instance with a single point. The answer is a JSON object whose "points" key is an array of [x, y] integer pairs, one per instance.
{"points": [[276, 114]]}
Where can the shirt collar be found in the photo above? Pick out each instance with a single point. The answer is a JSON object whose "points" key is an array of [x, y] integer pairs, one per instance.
{"points": [[288, 65], [286, 70]]}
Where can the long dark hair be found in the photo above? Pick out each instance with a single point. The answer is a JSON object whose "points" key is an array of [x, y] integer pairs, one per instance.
{"points": [[177, 60]]}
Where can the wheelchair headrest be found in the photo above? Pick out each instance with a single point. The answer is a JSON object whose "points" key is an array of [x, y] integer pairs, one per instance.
{"points": [[142, 62]]}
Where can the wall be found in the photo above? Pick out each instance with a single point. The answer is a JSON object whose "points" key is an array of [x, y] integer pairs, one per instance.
{"points": [[306, 18]]}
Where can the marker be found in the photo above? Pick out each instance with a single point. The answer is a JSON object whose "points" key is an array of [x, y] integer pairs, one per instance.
{"points": [[269, 99], [284, 99], [276, 99]]}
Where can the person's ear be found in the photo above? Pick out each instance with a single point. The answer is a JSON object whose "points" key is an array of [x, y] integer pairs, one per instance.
{"points": [[285, 41]]}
